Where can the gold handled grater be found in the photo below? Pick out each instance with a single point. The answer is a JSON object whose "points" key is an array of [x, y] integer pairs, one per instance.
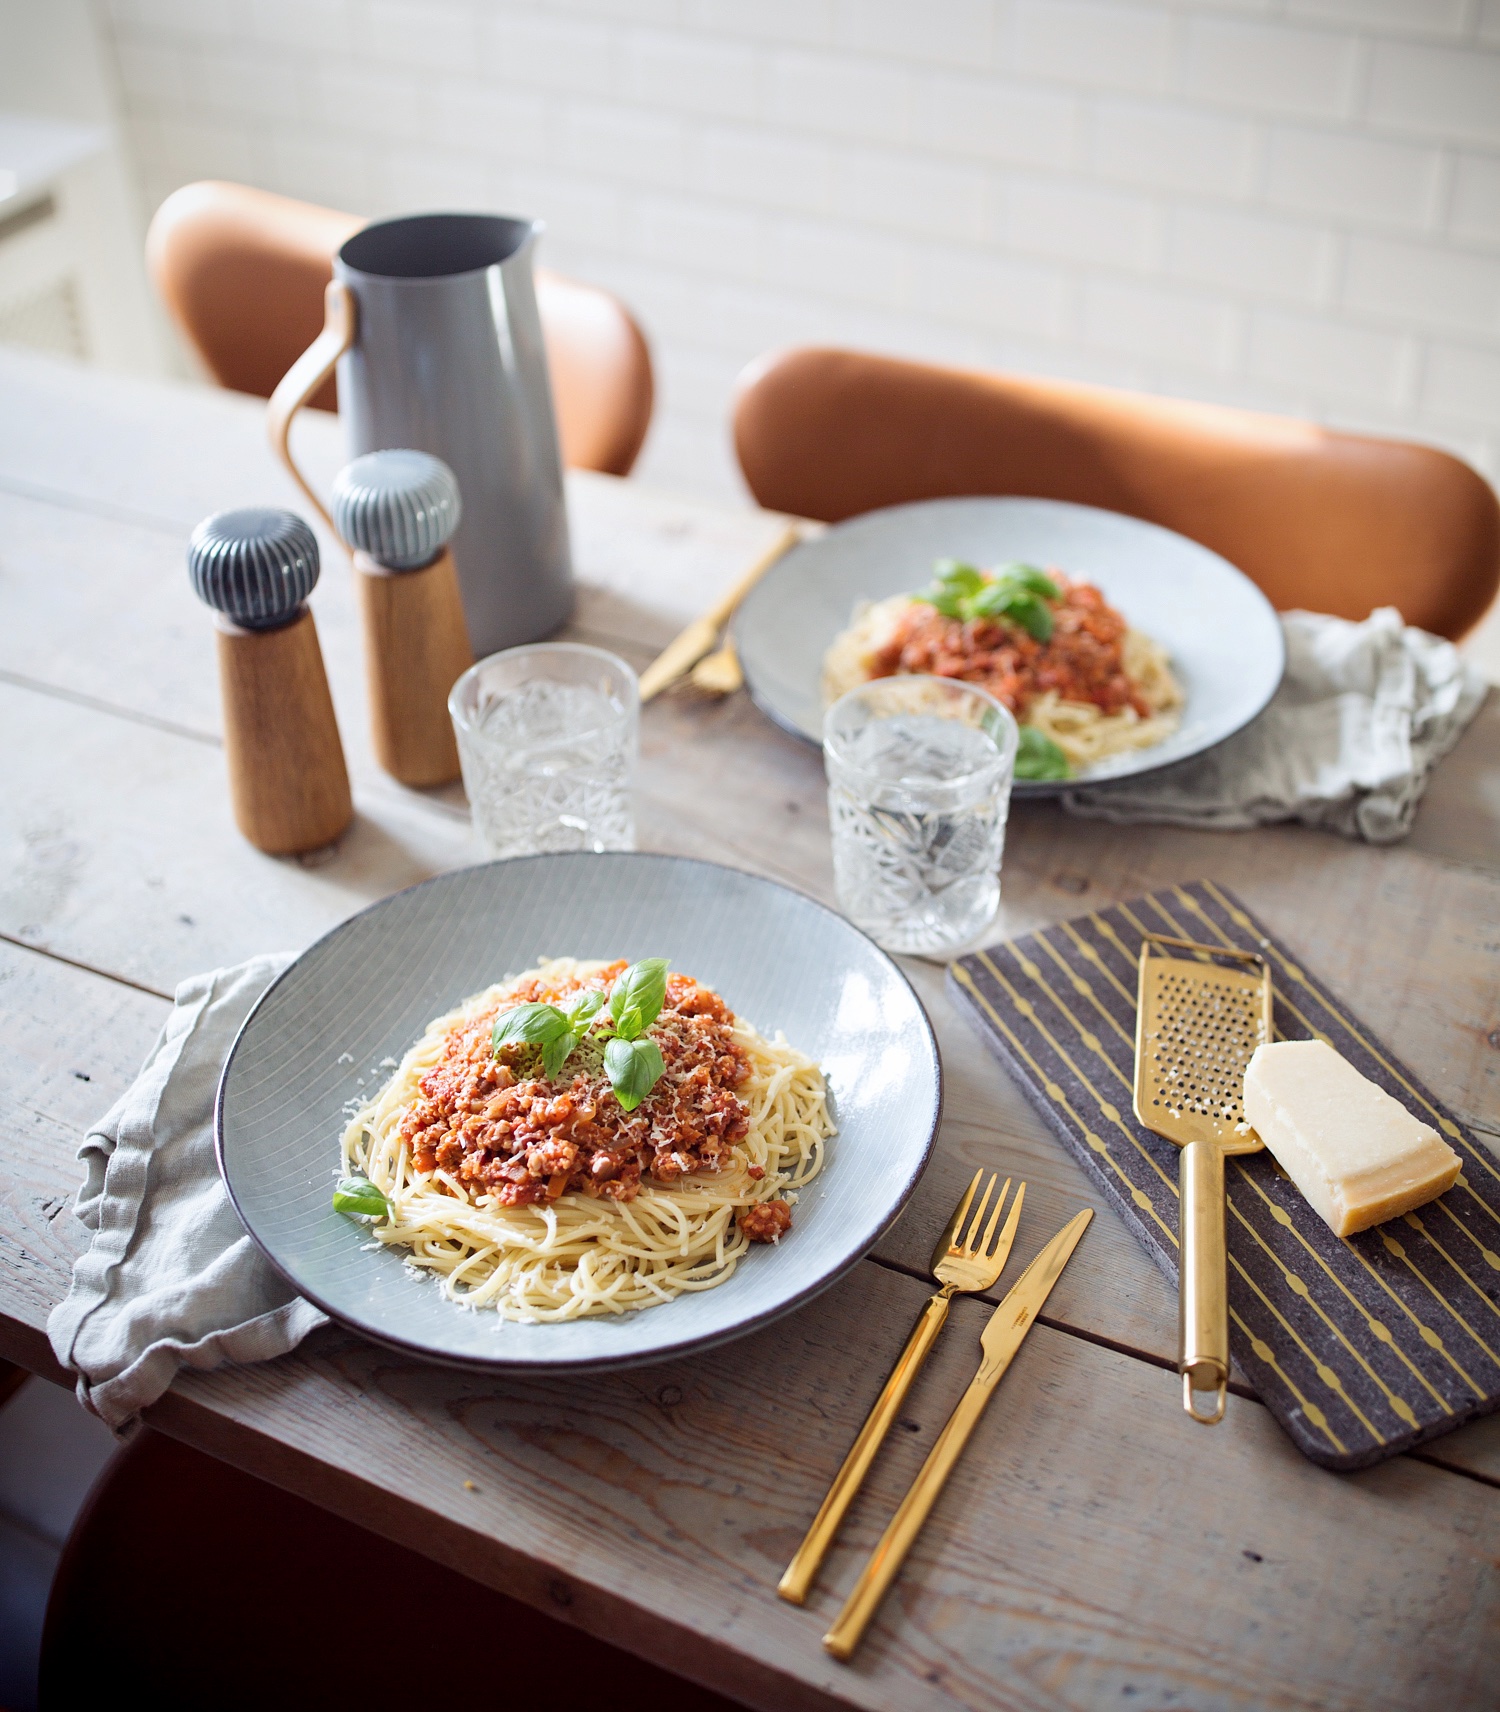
{"points": [[1198, 1019]]}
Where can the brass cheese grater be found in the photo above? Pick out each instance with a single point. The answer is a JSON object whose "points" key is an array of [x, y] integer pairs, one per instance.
{"points": [[1197, 1022]]}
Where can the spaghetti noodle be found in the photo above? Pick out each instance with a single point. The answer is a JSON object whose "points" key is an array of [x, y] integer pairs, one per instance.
{"points": [[544, 1198]]}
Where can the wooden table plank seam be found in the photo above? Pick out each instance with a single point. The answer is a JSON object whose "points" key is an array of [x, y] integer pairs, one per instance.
{"points": [[86, 968], [1434, 1459], [109, 510], [97, 704]]}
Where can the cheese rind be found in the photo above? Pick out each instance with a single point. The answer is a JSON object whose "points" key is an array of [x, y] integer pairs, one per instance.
{"points": [[1358, 1156]]}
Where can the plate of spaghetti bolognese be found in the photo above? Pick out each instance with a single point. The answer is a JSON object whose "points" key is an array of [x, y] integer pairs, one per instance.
{"points": [[577, 1111], [1119, 646]]}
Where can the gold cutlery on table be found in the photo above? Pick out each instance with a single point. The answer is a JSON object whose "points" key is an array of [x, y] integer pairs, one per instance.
{"points": [[687, 649], [1197, 1024], [719, 673], [964, 1260], [1003, 1335]]}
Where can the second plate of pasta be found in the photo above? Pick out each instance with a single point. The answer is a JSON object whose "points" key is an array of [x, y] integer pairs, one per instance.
{"points": [[1127, 646]]}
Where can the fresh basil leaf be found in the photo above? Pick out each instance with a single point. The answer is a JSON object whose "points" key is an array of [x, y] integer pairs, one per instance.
{"points": [[359, 1195], [1033, 614], [1038, 757], [956, 575], [637, 997], [948, 601], [649, 1053], [1017, 592], [555, 1053], [633, 1068], [994, 600], [529, 1025], [1029, 577], [583, 1007]]}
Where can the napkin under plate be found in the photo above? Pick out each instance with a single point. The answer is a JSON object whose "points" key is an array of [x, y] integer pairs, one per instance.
{"points": [[170, 1277], [1363, 714]]}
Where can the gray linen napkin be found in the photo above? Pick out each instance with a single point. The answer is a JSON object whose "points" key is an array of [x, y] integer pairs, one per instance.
{"points": [[170, 1278], [1363, 714]]}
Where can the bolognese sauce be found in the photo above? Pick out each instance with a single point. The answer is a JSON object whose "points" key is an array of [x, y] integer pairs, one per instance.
{"points": [[1083, 661], [496, 1124]]}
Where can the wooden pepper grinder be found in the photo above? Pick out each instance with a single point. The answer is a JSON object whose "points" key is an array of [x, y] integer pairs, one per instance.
{"points": [[287, 779], [398, 511]]}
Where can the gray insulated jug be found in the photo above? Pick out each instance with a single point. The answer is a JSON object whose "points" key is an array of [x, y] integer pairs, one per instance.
{"points": [[431, 321]]}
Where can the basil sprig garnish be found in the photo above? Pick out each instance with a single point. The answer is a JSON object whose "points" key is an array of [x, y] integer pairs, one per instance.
{"points": [[632, 1062], [537, 1025], [636, 999], [1038, 757], [359, 1195], [633, 1067], [1016, 593]]}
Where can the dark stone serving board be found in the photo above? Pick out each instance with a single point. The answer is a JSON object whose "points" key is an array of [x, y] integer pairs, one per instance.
{"points": [[1362, 1346]]}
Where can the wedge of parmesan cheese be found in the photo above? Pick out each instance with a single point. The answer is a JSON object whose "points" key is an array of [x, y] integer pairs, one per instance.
{"points": [[1357, 1155]]}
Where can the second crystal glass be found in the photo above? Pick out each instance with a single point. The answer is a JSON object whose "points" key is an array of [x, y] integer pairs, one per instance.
{"points": [[548, 737], [919, 775]]}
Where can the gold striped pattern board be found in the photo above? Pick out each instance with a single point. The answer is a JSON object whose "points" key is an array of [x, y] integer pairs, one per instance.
{"points": [[1361, 1346]]}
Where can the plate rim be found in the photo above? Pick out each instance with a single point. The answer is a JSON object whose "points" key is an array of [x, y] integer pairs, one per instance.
{"points": [[693, 1346], [1035, 787]]}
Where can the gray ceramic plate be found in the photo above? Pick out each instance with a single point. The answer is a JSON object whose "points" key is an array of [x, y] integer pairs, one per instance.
{"points": [[363, 994], [1223, 636]]}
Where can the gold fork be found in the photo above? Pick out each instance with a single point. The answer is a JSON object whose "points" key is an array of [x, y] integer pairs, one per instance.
{"points": [[965, 1263], [719, 673], [1003, 1334], [690, 645]]}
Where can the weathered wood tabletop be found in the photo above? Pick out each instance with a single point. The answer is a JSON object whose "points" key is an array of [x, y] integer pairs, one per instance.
{"points": [[1093, 1547]]}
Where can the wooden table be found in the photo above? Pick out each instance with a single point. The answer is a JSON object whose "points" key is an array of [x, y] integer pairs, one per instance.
{"points": [[1094, 1548]]}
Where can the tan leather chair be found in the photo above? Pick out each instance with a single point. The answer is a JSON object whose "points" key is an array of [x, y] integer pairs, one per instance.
{"points": [[243, 272], [1332, 522]]}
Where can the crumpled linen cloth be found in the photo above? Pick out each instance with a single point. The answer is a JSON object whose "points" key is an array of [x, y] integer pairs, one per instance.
{"points": [[170, 1278], [1363, 714]]}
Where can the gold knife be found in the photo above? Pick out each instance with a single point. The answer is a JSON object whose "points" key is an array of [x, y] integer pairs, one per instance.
{"points": [[1004, 1332], [687, 648]]}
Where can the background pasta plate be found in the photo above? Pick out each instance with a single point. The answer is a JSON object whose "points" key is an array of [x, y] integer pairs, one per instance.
{"points": [[1220, 630], [331, 1029]]}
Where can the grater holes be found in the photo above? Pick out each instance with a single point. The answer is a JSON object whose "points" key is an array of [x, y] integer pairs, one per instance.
{"points": [[1205, 1031]]}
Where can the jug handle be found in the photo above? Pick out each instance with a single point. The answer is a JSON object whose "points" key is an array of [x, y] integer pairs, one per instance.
{"points": [[306, 375]]}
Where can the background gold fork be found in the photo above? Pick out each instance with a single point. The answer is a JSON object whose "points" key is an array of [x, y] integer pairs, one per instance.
{"points": [[964, 1260]]}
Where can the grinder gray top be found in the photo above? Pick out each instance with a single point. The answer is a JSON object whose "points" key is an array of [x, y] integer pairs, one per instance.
{"points": [[400, 507], [256, 566]]}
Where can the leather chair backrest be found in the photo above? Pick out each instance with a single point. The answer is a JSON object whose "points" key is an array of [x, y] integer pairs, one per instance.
{"points": [[242, 273], [1327, 521]]}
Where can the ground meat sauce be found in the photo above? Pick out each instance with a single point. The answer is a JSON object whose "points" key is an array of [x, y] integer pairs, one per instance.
{"points": [[766, 1222], [1084, 661], [497, 1125]]}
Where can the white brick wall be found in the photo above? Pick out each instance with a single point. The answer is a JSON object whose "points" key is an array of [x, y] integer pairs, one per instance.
{"points": [[1293, 204]]}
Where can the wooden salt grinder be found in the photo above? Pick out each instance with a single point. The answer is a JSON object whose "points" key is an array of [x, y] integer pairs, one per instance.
{"points": [[287, 779], [398, 511]]}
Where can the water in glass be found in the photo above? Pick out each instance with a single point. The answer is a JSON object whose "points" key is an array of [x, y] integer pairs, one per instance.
{"points": [[547, 762], [918, 805]]}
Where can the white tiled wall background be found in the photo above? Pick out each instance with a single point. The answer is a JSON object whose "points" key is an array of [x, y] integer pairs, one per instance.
{"points": [[1290, 204]]}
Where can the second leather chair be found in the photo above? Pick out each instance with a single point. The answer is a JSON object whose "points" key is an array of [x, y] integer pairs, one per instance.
{"points": [[1332, 522]]}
